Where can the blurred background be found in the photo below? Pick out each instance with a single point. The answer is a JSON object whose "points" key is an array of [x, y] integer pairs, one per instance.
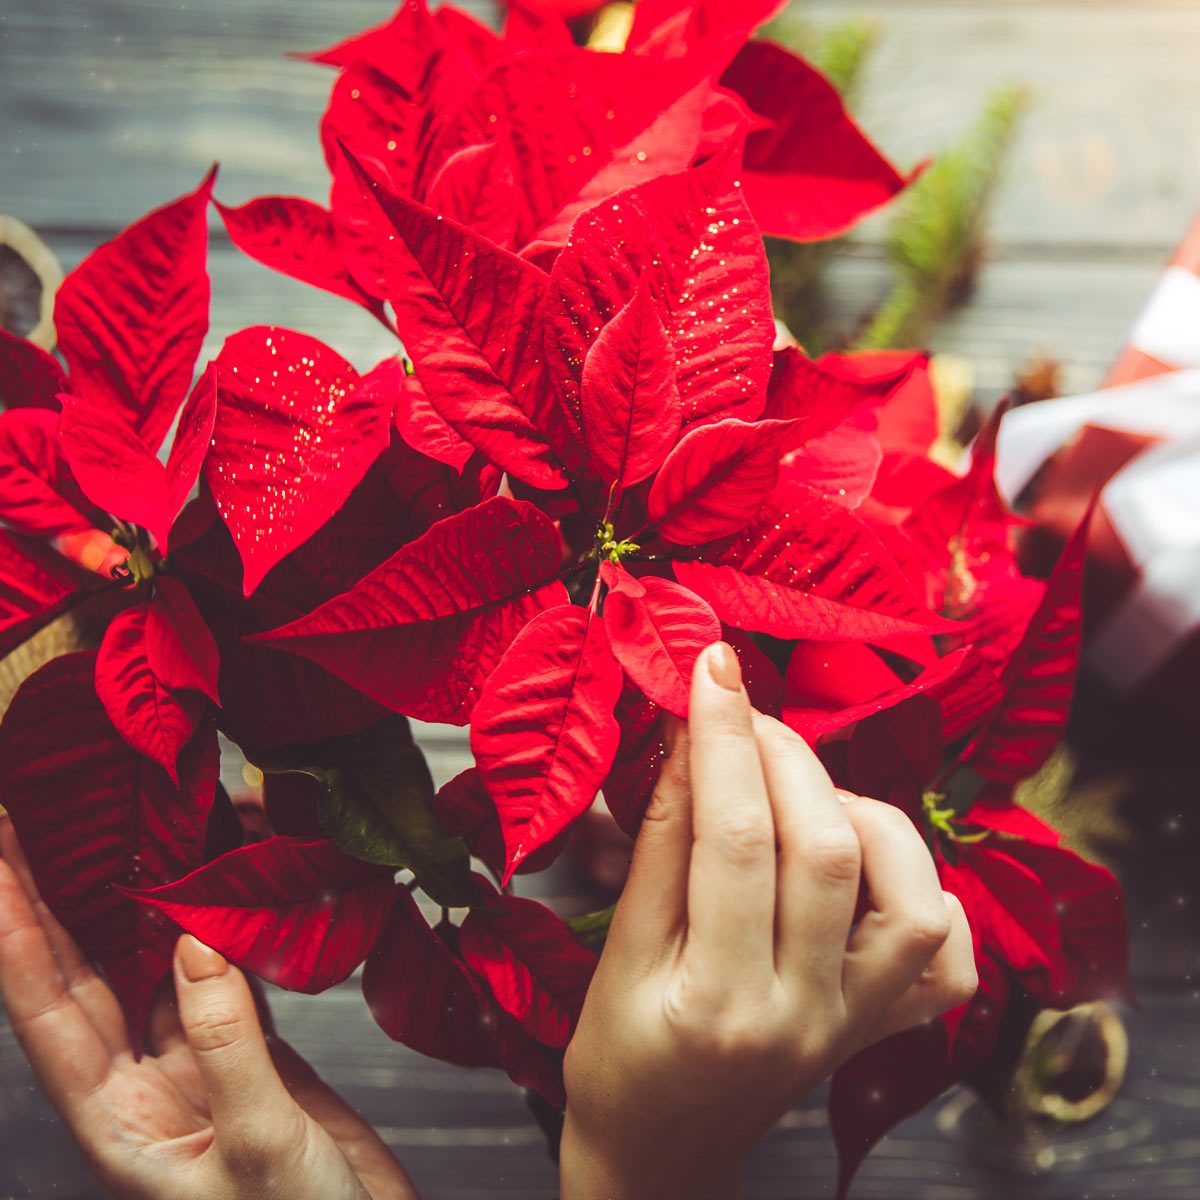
{"points": [[1069, 131]]}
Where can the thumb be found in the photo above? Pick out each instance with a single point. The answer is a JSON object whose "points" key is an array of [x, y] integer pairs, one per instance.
{"points": [[255, 1119], [653, 906]]}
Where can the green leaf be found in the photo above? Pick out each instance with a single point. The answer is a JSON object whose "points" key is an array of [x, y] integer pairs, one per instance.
{"points": [[377, 805], [594, 924]]}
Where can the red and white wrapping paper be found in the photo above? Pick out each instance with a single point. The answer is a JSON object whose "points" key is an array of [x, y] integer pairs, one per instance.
{"points": [[1166, 337], [1139, 437]]}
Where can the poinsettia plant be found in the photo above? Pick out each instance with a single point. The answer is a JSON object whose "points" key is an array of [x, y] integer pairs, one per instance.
{"points": [[590, 461]]}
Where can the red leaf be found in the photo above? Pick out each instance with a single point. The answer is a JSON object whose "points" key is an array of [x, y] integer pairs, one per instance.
{"points": [[36, 585], [268, 699], [180, 648], [1011, 912], [1090, 910], [690, 240], [629, 395], [908, 419], [813, 722], [543, 732], [383, 125], [882, 1085], [468, 35], [420, 424], [401, 44], [811, 174], [467, 314], [535, 966], [465, 808], [998, 612], [296, 237], [657, 630], [891, 1080], [131, 317], [143, 709], [962, 531], [29, 376], [667, 27], [809, 568], [582, 126], [843, 463], [38, 493], [271, 699], [968, 695], [421, 994], [299, 913], [820, 396], [475, 187], [715, 481], [423, 630], [122, 476], [896, 753], [760, 677], [635, 768], [825, 677], [1039, 681], [189, 448], [537, 24], [294, 434], [116, 819]]}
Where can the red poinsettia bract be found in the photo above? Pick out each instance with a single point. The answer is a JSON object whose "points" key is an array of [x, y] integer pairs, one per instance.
{"points": [[515, 134], [669, 451], [590, 463]]}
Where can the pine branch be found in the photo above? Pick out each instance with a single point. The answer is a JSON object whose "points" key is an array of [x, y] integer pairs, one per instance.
{"points": [[935, 242], [841, 53]]}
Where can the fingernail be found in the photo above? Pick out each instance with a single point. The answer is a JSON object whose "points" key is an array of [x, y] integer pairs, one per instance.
{"points": [[723, 667], [845, 797], [199, 961]]}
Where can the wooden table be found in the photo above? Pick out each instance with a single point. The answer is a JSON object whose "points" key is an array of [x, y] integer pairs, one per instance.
{"points": [[112, 106]]}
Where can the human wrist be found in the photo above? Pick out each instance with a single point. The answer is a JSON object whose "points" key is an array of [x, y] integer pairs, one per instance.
{"points": [[593, 1167]]}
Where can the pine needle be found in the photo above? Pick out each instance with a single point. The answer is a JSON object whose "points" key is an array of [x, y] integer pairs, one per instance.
{"points": [[935, 242]]}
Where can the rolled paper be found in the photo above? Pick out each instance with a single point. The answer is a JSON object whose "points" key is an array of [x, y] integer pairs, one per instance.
{"points": [[1138, 438], [1166, 336]]}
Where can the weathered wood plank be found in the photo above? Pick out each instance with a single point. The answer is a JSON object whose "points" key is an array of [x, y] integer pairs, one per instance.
{"points": [[1107, 154], [111, 107], [467, 1134]]}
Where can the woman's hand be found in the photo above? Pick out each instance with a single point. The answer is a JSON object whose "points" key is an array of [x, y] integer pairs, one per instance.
{"points": [[732, 981], [216, 1111]]}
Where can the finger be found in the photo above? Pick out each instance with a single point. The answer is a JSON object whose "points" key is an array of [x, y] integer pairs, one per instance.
{"points": [[909, 922], [254, 1118], [91, 992], [364, 1149], [165, 1040], [67, 1054], [731, 885], [652, 912], [818, 864], [948, 981]]}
